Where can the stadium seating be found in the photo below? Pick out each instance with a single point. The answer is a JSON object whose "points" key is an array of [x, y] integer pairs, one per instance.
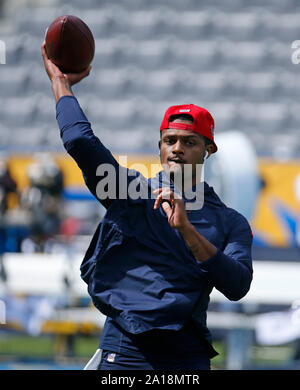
{"points": [[233, 59]]}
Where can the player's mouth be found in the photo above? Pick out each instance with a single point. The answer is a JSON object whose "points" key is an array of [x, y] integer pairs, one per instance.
{"points": [[177, 160]]}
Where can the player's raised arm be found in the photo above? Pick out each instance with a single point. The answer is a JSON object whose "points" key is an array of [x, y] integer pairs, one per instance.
{"points": [[75, 129]]}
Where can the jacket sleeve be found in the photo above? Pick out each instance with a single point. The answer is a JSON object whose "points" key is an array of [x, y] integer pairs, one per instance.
{"points": [[230, 271], [86, 149]]}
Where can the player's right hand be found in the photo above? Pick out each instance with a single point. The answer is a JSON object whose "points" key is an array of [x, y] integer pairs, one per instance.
{"points": [[173, 206], [54, 72]]}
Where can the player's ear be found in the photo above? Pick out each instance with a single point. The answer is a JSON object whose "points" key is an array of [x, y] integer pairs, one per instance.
{"points": [[209, 151], [159, 143]]}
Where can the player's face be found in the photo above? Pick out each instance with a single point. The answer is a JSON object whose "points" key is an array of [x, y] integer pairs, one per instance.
{"points": [[180, 147]]}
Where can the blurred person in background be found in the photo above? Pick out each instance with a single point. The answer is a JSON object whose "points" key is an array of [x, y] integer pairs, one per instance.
{"points": [[8, 187], [43, 199], [151, 265]]}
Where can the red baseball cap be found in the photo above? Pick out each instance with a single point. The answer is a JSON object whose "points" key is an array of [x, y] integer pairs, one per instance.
{"points": [[203, 122]]}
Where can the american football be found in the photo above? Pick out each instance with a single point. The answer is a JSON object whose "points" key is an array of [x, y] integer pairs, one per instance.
{"points": [[70, 44]]}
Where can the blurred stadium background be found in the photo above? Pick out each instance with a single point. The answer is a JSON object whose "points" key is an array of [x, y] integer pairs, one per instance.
{"points": [[235, 59]]}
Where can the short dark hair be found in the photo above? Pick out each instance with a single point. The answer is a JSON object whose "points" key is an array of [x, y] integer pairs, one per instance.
{"points": [[189, 117]]}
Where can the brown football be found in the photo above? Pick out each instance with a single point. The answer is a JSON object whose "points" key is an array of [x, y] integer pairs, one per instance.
{"points": [[70, 44]]}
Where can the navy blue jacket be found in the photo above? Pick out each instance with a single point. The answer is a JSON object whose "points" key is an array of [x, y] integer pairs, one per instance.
{"points": [[139, 270]]}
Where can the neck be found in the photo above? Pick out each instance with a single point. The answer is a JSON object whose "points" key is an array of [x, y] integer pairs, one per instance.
{"points": [[182, 182]]}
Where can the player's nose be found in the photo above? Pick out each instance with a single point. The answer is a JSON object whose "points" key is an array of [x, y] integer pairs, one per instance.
{"points": [[178, 148]]}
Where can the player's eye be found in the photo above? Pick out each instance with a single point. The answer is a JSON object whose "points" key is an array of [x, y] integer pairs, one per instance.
{"points": [[169, 141], [190, 143]]}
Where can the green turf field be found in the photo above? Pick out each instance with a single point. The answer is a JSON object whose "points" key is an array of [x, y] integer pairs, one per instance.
{"points": [[80, 348]]}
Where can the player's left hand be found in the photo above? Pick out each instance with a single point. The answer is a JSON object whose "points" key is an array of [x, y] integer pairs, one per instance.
{"points": [[173, 206]]}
